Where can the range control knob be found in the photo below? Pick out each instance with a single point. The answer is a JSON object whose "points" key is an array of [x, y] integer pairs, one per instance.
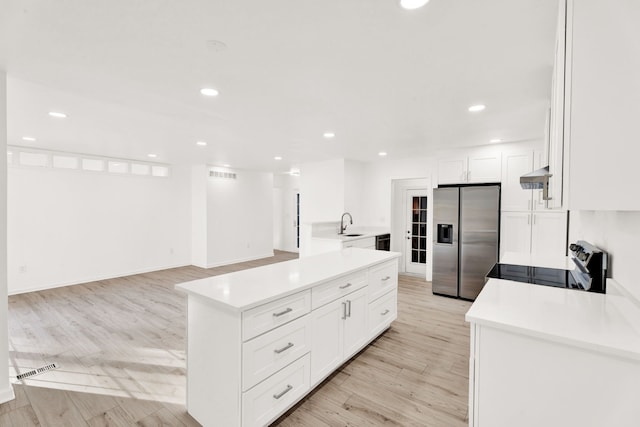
{"points": [[582, 256], [573, 247]]}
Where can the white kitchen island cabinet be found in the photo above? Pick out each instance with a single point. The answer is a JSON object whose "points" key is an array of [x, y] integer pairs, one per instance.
{"points": [[259, 340], [544, 356]]}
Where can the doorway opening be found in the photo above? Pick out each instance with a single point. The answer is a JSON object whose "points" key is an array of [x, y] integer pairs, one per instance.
{"points": [[411, 225]]}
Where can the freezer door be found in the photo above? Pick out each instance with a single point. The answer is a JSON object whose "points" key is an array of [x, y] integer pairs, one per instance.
{"points": [[479, 225], [445, 241]]}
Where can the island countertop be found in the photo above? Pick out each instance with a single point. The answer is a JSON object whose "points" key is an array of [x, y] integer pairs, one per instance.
{"points": [[246, 289]]}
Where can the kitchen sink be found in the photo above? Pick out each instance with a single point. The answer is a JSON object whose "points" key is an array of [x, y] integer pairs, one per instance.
{"points": [[352, 235]]}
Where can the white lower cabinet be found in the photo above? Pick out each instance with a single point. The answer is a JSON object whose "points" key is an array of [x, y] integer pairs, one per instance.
{"points": [[248, 367], [516, 379], [382, 312], [271, 397], [339, 330]]}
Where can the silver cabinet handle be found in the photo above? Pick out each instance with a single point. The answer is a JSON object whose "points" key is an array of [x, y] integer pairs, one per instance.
{"points": [[384, 313], [528, 219], [349, 308], [283, 392], [534, 219], [344, 310], [288, 310], [384, 279], [345, 286], [286, 347]]}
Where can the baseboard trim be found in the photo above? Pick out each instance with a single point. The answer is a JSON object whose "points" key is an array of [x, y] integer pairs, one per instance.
{"points": [[235, 261], [91, 279], [7, 394]]}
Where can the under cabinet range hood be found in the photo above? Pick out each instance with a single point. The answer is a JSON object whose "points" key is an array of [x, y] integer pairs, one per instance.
{"points": [[536, 180]]}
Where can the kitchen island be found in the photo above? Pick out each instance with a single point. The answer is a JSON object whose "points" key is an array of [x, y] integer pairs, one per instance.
{"points": [[552, 356], [261, 339]]}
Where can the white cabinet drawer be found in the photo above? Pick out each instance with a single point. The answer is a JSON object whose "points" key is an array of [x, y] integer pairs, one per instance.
{"points": [[323, 294], [270, 352], [382, 312], [273, 396], [382, 279], [268, 316]]}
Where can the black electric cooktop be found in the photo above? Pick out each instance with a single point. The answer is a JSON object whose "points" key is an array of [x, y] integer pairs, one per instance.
{"points": [[537, 275]]}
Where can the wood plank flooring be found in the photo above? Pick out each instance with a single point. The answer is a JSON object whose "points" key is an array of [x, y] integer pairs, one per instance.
{"points": [[120, 344]]}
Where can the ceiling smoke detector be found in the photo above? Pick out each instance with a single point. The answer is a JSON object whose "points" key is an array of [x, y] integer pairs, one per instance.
{"points": [[216, 45]]}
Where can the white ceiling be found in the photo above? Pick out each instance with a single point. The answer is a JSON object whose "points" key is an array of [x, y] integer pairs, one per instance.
{"points": [[128, 74]]}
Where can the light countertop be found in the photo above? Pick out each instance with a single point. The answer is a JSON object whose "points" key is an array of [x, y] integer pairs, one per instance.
{"points": [[603, 322], [245, 289]]}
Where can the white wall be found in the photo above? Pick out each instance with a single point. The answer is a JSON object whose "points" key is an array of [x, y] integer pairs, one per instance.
{"points": [[354, 184], [6, 391], [68, 227], [322, 191], [378, 176], [284, 212], [199, 239], [239, 218], [617, 233]]}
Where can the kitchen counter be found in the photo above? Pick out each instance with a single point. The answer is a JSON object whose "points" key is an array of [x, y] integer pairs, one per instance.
{"points": [[248, 288], [259, 340], [602, 322], [574, 354]]}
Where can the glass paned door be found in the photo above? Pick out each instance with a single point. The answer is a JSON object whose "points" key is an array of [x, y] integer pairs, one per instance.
{"points": [[416, 232]]}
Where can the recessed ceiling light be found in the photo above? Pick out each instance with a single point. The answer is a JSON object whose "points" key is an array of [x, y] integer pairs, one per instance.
{"points": [[58, 115], [153, 156], [28, 138], [208, 91], [201, 143], [495, 140], [476, 108], [413, 4], [382, 153], [277, 158], [226, 165], [329, 135]]}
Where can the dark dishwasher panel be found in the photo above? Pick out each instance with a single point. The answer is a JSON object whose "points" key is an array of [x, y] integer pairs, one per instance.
{"points": [[383, 242]]}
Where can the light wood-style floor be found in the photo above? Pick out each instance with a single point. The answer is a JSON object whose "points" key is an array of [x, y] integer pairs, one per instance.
{"points": [[119, 345]]}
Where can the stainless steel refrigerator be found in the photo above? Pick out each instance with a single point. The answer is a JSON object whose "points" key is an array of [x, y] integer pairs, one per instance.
{"points": [[466, 224]]}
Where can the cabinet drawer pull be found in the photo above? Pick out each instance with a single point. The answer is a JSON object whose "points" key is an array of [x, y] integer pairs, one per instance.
{"points": [[384, 313], [384, 279], [344, 310], [283, 392], [286, 347], [288, 310], [345, 286]]}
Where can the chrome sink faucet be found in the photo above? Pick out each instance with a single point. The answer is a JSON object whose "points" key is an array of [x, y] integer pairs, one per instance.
{"points": [[342, 226]]}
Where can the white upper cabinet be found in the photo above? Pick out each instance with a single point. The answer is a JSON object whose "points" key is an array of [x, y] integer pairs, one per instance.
{"points": [[514, 165], [470, 169], [602, 98]]}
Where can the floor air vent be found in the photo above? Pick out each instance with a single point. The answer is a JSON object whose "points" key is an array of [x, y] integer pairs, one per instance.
{"points": [[37, 371]]}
